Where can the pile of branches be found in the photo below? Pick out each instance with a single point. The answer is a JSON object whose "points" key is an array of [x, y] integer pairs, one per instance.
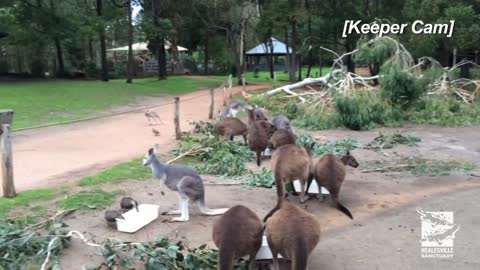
{"points": [[160, 254], [388, 141], [26, 246], [338, 147], [225, 158]]}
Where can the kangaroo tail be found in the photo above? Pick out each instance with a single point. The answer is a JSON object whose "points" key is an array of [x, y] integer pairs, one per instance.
{"points": [[342, 208], [207, 211], [259, 157], [280, 194]]}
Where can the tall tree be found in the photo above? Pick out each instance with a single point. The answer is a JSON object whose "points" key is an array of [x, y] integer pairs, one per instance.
{"points": [[103, 45]]}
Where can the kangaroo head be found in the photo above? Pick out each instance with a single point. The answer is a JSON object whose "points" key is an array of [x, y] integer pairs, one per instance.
{"points": [[349, 160], [309, 148], [147, 159]]}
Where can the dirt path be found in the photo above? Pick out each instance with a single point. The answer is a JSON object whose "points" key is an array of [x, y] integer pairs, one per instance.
{"points": [[58, 154]]}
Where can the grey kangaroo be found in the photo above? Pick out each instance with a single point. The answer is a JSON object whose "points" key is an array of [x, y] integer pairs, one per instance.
{"points": [[184, 180], [234, 107]]}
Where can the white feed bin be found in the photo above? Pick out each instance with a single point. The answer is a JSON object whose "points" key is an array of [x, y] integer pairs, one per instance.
{"points": [[268, 152], [264, 252], [313, 187], [134, 221]]}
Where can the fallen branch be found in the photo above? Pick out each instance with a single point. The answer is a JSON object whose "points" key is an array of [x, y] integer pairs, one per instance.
{"points": [[194, 150], [59, 214], [389, 168]]}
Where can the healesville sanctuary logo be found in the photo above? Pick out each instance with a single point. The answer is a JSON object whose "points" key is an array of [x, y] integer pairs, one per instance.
{"points": [[381, 29], [438, 233]]}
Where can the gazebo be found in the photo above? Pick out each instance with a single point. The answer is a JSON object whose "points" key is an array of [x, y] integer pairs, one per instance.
{"points": [[257, 57]]}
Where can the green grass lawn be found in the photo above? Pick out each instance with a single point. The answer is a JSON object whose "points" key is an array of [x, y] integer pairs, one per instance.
{"points": [[264, 76], [52, 101], [128, 170], [24, 198]]}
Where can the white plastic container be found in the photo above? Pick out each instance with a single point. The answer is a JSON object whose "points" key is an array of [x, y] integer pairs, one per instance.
{"points": [[264, 252], [134, 221], [313, 187], [268, 152]]}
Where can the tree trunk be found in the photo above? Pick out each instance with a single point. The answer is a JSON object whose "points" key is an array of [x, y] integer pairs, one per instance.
{"points": [[309, 27], [270, 58], [130, 42], [103, 46], [299, 67], [90, 50], [349, 59], [162, 59], [241, 50], [205, 55], [293, 56], [61, 65], [287, 53]]}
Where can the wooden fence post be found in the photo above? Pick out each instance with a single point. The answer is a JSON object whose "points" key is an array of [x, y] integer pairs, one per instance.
{"points": [[230, 83], [212, 99], [6, 117], [176, 119], [224, 96]]}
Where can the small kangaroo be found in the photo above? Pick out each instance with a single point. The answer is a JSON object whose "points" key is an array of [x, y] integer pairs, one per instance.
{"points": [[236, 234], [281, 121], [290, 162], [329, 172], [111, 217], [294, 233], [258, 133], [184, 180], [230, 127], [128, 203], [281, 137]]}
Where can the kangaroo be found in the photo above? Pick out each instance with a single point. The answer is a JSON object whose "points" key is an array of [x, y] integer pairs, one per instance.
{"points": [[290, 162], [230, 127], [281, 137], [111, 217], [184, 180], [128, 203], [293, 233], [152, 116], [234, 107], [258, 134], [236, 234], [260, 114], [329, 172], [281, 121]]}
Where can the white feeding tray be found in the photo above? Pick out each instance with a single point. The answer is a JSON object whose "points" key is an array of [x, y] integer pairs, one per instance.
{"points": [[134, 221], [313, 187], [264, 252], [268, 152]]}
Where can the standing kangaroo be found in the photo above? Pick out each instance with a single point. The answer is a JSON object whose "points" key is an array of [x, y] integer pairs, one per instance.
{"points": [[290, 162], [184, 180], [329, 172]]}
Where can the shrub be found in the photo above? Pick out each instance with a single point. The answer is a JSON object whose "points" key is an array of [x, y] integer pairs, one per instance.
{"points": [[445, 111], [356, 111], [400, 86]]}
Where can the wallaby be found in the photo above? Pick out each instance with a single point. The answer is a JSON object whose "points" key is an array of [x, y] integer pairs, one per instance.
{"points": [[183, 179], [111, 217], [230, 127], [152, 116], [281, 137], [329, 172], [234, 107], [236, 234], [260, 114], [258, 133], [294, 233], [281, 121], [128, 203], [290, 162]]}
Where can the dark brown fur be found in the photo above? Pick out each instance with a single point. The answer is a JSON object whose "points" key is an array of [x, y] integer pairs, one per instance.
{"points": [[293, 233], [290, 162], [111, 217], [128, 203], [281, 137], [236, 234], [230, 127], [329, 172], [258, 134]]}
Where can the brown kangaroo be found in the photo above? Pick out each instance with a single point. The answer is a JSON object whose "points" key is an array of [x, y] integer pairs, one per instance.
{"points": [[290, 162], [236, 234], [329, 172], [281, 137], [293, 233], [230, 127], [257, 135]]}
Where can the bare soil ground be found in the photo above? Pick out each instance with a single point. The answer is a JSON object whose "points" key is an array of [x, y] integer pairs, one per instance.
{"points": [[383, 205]]}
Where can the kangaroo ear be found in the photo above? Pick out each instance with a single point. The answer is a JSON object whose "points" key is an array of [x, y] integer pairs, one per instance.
{"points": [[150, 151], [348, 153]]}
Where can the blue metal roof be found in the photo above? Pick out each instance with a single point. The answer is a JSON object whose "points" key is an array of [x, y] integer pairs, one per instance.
{"points": [[278, 48]]}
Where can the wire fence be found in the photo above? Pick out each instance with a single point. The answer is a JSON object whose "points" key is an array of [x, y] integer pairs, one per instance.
{"points": [[117, 113]]}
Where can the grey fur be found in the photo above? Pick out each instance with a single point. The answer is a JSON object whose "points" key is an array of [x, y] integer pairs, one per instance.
{"points": [[183, 179], [234, 107], [281, 121]]}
